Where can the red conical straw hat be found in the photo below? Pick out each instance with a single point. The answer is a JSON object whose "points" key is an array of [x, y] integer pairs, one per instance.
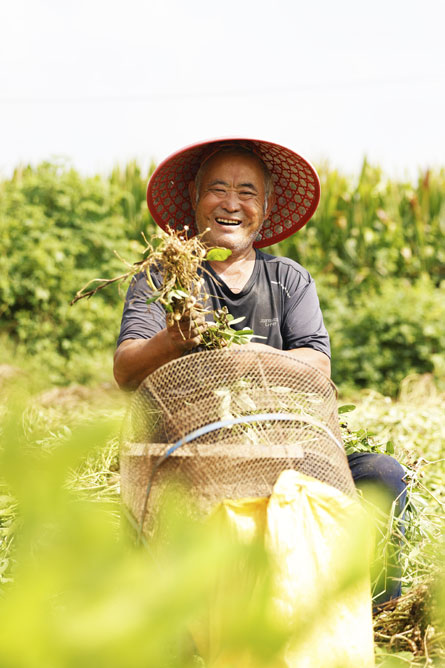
{"points": [[295, 183]]}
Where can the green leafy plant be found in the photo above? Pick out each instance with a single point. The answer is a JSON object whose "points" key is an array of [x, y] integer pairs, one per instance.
{"points": [[368, 228], [56, 228], [178, 261], [59, 228], [221, 333], [381, 337]]}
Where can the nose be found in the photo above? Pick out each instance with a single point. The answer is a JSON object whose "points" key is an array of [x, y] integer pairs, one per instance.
{"points": [[231, 201]]}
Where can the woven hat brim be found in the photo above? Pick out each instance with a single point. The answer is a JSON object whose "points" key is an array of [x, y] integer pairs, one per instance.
{"points": [[295, 183]]}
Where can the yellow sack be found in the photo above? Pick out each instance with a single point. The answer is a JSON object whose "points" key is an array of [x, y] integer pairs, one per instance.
{"points": [[318, 542]]}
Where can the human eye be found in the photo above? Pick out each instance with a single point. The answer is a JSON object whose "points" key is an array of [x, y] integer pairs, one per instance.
{"points": [[218, 190], [246, 194]]}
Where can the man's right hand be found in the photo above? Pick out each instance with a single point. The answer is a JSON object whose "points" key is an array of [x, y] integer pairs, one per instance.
{"points": [[185, 334], [136, 358]]}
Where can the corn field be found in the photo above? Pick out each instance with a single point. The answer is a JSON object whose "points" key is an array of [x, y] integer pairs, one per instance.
{"points": [[370, 228]]}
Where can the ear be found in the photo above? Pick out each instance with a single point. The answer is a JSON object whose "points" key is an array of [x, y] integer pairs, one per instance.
{"points": [[270, 205], [192, 193]]}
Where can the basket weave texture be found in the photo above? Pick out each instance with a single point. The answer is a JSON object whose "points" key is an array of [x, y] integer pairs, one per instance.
{"points": [[234, 460]]}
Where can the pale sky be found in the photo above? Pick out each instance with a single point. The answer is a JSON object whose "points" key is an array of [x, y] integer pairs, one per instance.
{"points": [[101, 82]]}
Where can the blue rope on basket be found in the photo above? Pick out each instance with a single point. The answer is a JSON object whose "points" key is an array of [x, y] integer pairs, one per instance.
{"points": [[214, 426]]}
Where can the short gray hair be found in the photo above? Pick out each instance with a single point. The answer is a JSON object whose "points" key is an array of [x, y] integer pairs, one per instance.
{"points": [[233, 149]]}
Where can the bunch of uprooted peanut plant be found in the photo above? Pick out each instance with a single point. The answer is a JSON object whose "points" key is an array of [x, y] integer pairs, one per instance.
{"points": [[179, 263]]}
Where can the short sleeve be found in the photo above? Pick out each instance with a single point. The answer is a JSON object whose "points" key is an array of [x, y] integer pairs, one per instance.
{"points": [[139, 320], [303, 325]]}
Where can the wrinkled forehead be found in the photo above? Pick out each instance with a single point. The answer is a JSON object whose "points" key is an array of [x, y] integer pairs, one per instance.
{"points": [[232, 156]]}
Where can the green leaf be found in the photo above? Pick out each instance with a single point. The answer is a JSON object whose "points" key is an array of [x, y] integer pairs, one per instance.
{"points": [[390, 448], [218, 254], [153, 299], [347, 408], [241, 339], [234, 321]]}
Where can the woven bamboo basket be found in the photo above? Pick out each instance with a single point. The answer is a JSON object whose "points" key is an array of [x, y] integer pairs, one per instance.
{"points": [[224, 424]]}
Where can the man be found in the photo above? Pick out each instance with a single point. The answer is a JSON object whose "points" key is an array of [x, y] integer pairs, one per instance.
{"points": [[232, 194], [242, 195]]}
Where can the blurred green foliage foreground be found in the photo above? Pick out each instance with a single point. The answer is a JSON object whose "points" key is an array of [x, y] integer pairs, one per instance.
{"points": [[375, 247], [76, 591], [78, 594]]}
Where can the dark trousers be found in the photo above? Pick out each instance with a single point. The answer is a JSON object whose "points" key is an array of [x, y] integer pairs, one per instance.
{"points": [[374, 473]]}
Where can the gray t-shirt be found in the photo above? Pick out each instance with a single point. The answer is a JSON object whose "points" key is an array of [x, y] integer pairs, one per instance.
{"points": [[279, 302]]}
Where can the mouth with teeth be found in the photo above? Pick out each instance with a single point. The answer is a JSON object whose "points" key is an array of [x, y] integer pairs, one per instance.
{"points": [[233, 222]]}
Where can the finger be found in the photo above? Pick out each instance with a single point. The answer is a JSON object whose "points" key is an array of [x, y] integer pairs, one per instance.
{"points": [[195, 332], [198, 321], [193, 343], [190, 325], [185, 334]]}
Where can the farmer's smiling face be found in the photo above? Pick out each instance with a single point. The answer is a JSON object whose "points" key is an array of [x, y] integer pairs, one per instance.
{"points": [[229, 200]]}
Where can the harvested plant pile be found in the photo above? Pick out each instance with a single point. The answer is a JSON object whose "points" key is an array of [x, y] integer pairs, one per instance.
{"points": [[411, 626], [179, 262]]}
